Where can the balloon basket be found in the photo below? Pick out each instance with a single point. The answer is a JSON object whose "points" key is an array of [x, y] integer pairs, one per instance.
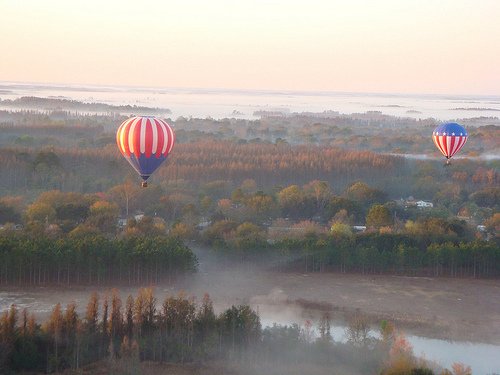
{"points": [[144, 184]]}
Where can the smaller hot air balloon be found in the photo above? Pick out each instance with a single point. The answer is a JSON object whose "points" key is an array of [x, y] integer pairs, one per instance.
{"points": [[145, 141], [449, 138]]}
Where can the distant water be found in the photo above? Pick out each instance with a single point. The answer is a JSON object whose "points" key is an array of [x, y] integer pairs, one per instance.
{"points": [[222, 103]]}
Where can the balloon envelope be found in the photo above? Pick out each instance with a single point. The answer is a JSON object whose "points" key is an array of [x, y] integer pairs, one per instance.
{"points": [[145, 141], [449, 138]]}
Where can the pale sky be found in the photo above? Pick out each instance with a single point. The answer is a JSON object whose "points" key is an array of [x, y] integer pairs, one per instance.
{"points": [[404, 46]]}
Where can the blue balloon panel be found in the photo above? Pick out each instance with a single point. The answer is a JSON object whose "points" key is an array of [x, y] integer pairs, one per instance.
{"points": [[145, 166]]}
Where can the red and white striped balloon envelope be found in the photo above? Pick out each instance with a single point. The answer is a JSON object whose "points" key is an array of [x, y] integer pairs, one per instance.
{"points": [[146, 142]]}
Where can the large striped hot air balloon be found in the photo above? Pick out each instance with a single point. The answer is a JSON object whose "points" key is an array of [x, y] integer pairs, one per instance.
{"points": [[145, 141], [449, 138]]}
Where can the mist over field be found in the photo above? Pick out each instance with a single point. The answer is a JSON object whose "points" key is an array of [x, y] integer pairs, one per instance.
{"points": [[250, 188]]}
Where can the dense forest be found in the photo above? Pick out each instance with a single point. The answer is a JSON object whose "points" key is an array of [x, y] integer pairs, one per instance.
{"points": [[361, 193], [85, 258], [73, 169], [329, 204], [180, 330]]}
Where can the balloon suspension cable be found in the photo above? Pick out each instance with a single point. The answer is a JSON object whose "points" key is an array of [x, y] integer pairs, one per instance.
{"points": [[144, 184]]}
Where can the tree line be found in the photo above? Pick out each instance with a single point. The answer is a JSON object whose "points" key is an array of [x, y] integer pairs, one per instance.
{"points": [[51, 104], [28, 167], [395, 254], [309, 222], [415, 251], [180, 330], [74, 169], [92, 259], [362, 131]]}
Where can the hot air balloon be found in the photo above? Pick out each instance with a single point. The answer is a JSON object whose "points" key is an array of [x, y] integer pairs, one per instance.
{"points": [[449, 138], [145, 141]]}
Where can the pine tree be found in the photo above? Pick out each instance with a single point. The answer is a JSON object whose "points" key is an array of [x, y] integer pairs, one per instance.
{"points": [[129, 317], [54, 329]]}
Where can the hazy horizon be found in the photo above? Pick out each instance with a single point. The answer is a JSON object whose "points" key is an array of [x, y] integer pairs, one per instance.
{"points": [[76, 85]]}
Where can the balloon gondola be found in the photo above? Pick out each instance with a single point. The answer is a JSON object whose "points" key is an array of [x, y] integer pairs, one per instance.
{"points": [[449, 138], [145, 142]]}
